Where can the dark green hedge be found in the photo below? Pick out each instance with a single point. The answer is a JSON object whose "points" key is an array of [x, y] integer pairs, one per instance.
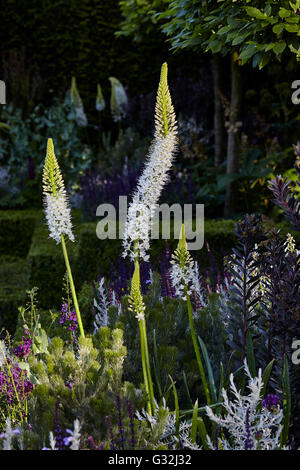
{"points": [[13, 286], [89, 257], [16, 229], [47, 267]]}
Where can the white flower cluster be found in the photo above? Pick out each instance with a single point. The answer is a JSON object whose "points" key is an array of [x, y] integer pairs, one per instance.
{"points": [[8, 435], [186, 276], [290, 245], [74, 436], [163, 415], [58, 216], [144, 204], [57, 210], [250, 426], [137, 306], [142, 208]]}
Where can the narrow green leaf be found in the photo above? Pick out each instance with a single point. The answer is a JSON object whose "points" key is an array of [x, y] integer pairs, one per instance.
{"points": [[266, 376], [209, 370], [203, 433], [176, 407], [194, 423], [187, 388]]}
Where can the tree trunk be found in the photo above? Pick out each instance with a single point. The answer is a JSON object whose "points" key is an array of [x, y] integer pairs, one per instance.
{"points": [[219, 130], [233, 145]]}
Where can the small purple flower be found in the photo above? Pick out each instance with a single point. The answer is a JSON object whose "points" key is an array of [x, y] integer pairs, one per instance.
{"points": [[271, 403], [23, 350]]}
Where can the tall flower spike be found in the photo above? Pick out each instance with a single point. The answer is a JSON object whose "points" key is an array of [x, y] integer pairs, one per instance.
{"points": [[150, 184], [57, 210], [165, 120], [100, 101], [118, 99], [136, 303], [184, 271], [81, 118]]}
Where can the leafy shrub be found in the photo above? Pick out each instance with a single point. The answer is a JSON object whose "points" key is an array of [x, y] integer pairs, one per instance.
{"points": [[84, 383]]}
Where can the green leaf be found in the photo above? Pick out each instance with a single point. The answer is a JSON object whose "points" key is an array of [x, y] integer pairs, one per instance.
{"points": [[194, 422], [264, 61], [238, 40], [256, 13], [203, 433], [209, 370], [279, 47], [266, 376], [248, 52], [176, 407], [284, 13], [224, 29], [292, 28], [278, 28], [268, 10], [187, 388]]}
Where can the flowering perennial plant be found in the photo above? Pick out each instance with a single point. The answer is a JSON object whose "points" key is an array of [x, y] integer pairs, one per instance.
{"points": [[81, 118], [100, 101], [15, 386], [57, 210], [150, 184], [252, 423], [58, 214], [118, 99]]}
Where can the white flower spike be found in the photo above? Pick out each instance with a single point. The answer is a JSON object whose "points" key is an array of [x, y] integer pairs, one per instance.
{"points": [[141, 210], [57, 210]]}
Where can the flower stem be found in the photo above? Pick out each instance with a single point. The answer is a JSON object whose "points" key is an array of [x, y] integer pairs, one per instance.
{"points": [[76, 306], [196, 347], [150, 383]]}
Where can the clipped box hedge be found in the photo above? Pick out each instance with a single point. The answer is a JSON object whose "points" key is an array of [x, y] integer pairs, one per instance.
{"points": [[13, 286], [89, 256], [47, 266], [16, 230]]}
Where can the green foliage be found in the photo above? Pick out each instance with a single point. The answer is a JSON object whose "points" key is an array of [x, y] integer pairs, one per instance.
{"points": [[256, 33], [128, 149], [16, 230], [168, 330], [24, 143], [94, 374], [13, 284]]}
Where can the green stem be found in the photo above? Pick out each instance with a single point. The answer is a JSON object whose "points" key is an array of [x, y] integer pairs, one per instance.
{"points": [[144, 366], [196, 348], [150, 383], [63, 244]]}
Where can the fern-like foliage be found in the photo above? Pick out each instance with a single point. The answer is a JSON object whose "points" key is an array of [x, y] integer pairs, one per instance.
{"points": [[244, 293], [165, 120], [287, 201]]}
